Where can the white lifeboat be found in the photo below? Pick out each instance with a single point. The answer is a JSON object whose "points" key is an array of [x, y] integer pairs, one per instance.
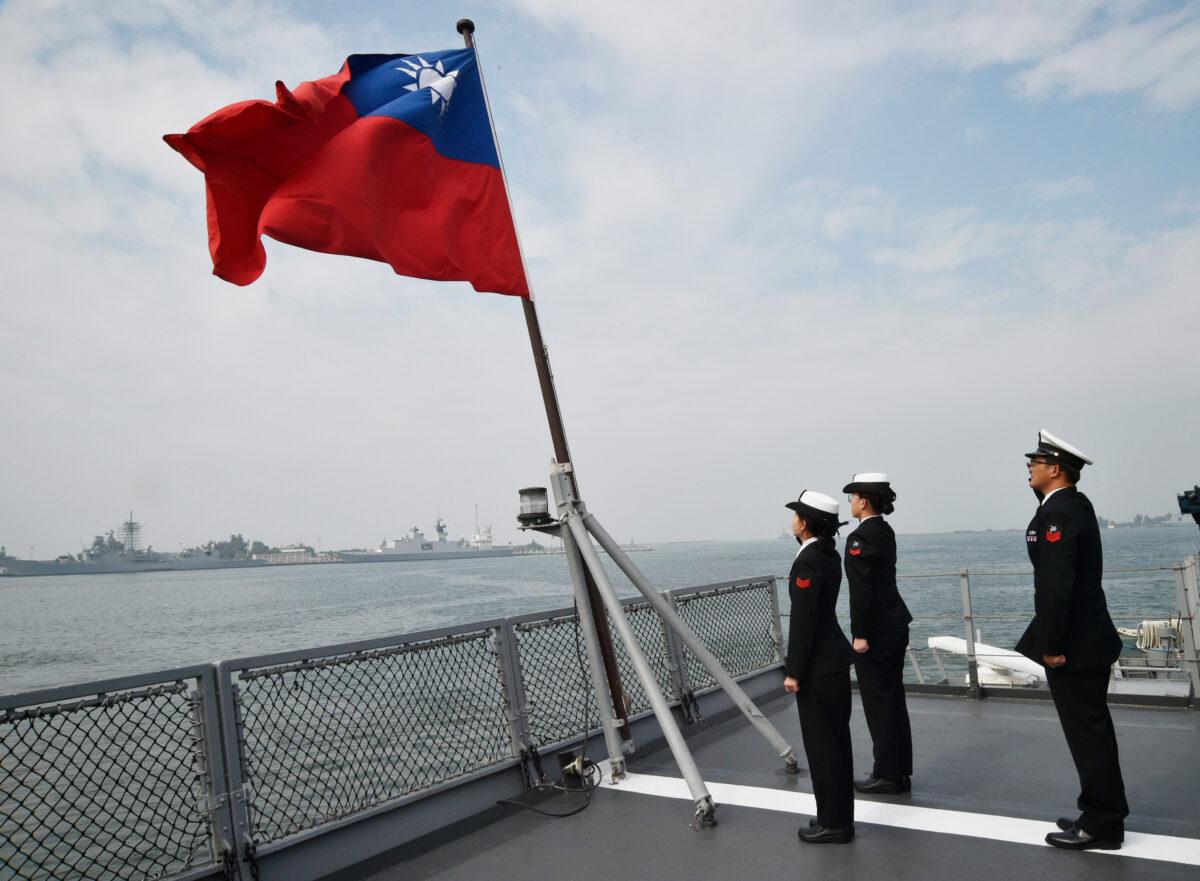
{"points": [[997, 666]]}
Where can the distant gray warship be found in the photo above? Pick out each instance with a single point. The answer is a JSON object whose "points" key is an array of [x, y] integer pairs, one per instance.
{"points": [[109, 554], [415, 547]]}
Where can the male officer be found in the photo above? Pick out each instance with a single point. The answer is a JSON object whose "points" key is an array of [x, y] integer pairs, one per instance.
{"points": [[1073, 636], [879, 622]]}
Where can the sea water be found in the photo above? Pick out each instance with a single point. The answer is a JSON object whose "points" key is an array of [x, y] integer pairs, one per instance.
{"points": [[62, 630]]}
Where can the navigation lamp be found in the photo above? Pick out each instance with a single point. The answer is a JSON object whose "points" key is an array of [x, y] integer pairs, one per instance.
{"points": [[535, 507]]}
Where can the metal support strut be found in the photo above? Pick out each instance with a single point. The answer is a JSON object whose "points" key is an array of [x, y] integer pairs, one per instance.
{"points": [[666, 721], [695, 646], [608, 722]]}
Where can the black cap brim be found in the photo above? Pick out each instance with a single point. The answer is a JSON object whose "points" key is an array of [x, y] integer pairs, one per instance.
{"points": [[1058, 457], [879, 489]]}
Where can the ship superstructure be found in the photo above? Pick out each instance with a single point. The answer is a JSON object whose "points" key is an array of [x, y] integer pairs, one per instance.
{"points": [[415, 546], [109, 554]]}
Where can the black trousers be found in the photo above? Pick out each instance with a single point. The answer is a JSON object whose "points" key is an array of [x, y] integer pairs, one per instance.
{"points": [[880, 675], [824, 705], [1081, 698]]}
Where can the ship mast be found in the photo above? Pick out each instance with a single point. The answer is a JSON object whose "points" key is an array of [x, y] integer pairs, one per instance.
{"points": [[131, 534]]}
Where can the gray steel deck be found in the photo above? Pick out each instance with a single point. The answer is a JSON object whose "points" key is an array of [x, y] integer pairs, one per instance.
{"points": [[996, 758]]}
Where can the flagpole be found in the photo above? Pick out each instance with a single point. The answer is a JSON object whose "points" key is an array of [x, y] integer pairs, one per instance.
{"points": [[558, 434]]}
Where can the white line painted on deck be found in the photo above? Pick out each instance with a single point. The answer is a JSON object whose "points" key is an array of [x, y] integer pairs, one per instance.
{"points": [[1165, 848]]}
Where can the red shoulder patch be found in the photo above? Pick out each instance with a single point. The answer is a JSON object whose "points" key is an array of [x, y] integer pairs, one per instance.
{"points": [[1053, 535], [802, 583], [854, 552]]}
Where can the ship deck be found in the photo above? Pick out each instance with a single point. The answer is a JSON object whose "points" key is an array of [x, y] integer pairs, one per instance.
{"points": [[990, 777]]}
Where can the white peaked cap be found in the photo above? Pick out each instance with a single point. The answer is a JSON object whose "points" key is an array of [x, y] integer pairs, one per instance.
{"points": [[820, 501], [1045, 437], [870, 477]]}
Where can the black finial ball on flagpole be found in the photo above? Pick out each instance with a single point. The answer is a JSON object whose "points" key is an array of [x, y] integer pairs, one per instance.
{"points": [[465, 26]]}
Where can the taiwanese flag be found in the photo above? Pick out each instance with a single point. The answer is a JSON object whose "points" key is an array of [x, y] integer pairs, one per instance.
{"points": [[391, 159]]}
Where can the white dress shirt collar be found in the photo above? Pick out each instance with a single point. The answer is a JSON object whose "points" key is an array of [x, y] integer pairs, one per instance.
{"points": [[1046, 498], [805, 544]]}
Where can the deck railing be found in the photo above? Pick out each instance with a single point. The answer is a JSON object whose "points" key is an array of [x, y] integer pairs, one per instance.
{"points": [[193, 772], [112, 779], [188, 773], [990, 622]]}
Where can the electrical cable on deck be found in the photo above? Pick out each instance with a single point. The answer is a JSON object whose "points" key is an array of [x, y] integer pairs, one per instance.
{"points": [[586, 766]]}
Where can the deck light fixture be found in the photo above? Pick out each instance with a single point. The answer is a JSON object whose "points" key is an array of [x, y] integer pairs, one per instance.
{"points": [[535, 508]]}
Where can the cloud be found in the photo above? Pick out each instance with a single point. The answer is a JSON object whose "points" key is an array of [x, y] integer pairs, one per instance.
{"points": [[1184, 202], [832, 210], [944, 241], [1157, 56], [972, 135], [1058, 190], [707, 297]]}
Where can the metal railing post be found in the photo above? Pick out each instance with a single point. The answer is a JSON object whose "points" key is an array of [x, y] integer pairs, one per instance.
{"points": [[508, 659], [969, 626], [1189, 637], [214, 776], [238, 792], [776, 617]]}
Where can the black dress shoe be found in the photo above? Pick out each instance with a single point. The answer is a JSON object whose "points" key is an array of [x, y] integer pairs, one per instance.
{"points": [[1065, 824], [1077, 839], [813, 822], [906, 784], [878, 786], [821, 835]]}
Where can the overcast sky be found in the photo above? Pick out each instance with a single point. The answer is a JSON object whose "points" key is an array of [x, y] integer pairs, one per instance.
{"points": [[771, 244]]}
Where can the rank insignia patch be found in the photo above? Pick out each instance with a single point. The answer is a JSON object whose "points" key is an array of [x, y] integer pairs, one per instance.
{"points": [[855, 548], [802, 583], [1052, 534], [1031, 536]]}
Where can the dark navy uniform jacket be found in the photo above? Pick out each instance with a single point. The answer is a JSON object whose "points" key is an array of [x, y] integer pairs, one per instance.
{"points": [[816, 645], [1070, 614], [877, 610]]}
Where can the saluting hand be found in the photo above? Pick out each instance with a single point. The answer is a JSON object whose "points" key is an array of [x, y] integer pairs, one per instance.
{"points": [[791, 684], [1054, 660], [860, 646]]}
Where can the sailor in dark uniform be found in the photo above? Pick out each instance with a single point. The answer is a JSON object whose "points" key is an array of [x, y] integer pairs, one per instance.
{"points": [[879, 622], [1073, 636], [818, 668]]}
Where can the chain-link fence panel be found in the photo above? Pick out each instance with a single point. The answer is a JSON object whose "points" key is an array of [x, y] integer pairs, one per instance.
{"points": [[736, 623], [647, 627], [106, 786], [325, 738], [554, 672], [557, 680]]}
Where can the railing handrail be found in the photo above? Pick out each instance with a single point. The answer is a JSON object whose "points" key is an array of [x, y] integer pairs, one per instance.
{"points": [[63, 693]]}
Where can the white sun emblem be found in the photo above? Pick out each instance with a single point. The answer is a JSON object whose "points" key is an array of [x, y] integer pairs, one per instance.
{"points": [[433, 77]]}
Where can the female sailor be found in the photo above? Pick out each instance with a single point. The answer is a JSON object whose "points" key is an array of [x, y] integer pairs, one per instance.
{"points": [[818, 668], [879, 622]]}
